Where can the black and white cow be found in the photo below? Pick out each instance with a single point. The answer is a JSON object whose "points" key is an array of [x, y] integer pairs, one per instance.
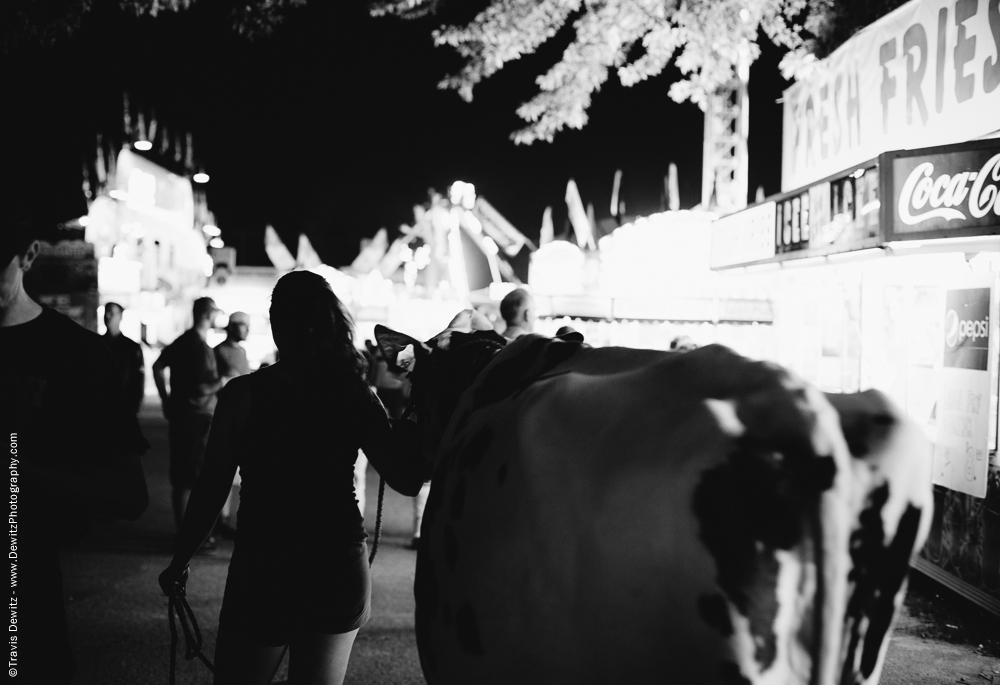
{"points": [[613, 515]]}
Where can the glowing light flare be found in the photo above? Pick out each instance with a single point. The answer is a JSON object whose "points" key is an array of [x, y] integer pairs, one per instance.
{"points": [[456, 261], [216, 242], [118, 274], [422, 256], [209, 229], [498, 291], [143, 145], [462, 193], [84, 221], [472, 223], [200, 177]]}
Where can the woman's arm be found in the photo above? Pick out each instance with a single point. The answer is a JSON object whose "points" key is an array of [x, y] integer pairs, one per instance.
{"points": [[216, 479], [393, 449]]}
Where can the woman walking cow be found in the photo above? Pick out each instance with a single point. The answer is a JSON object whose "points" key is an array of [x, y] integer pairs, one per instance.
{"points": [[299, 575]]}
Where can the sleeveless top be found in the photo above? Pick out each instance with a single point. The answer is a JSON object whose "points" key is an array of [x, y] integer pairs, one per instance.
{"points": [[297, 465]]}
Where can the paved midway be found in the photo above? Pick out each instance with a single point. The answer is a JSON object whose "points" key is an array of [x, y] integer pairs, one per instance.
{"points": [[118, 616]]}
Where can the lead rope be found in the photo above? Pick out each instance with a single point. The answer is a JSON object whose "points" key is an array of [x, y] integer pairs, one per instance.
{"points": [[381, 495], [178, 606], [378, 521]]}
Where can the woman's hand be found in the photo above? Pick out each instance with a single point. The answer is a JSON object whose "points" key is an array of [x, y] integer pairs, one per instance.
{"points": [[174, 580]]}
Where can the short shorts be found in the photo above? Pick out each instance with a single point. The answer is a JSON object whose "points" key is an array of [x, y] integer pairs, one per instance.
{"points": [[271, 599], [188, 438]]}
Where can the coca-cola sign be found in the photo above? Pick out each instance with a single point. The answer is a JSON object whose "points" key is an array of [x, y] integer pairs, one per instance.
{"points": [[946, 190]]}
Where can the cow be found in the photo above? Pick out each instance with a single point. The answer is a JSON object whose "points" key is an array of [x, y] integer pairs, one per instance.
{"points": [[616, 515]]}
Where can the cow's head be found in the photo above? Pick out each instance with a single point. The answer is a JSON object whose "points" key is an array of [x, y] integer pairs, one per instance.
{"points": [[440, 368]]}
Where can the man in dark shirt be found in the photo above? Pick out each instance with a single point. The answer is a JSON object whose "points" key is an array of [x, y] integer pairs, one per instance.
{"points": [[230, 357], [74, 454], [128, 355], [189, 402]]}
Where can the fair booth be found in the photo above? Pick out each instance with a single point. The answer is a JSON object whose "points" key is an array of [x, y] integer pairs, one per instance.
{"points": [[886, 276]]}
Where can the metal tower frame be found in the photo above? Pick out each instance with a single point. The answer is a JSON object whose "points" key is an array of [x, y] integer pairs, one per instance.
{"points": [[725, 167]]}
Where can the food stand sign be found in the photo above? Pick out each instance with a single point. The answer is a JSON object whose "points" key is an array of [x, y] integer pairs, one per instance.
{"points": [[837, 214], [950, 191], [746, 236], [961, 448], [925, 74]]}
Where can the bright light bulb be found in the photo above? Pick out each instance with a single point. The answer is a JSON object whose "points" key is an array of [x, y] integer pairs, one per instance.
{"points": [[200, 177], [211, 230], [216, 242], [142, 145], [84, 221]]}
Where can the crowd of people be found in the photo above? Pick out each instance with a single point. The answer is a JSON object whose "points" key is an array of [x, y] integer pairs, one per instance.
{"points": [[299, 577], [299, 574]]}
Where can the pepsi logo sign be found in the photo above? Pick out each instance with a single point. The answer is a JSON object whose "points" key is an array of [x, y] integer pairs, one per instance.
{"points": [[951, 328], [957, 330]]}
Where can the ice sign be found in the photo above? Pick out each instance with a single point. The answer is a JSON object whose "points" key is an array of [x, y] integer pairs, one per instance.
{"points": [[141, 187]]}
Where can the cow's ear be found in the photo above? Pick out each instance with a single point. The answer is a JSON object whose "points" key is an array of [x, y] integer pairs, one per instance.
{"points": [[399, 349]]}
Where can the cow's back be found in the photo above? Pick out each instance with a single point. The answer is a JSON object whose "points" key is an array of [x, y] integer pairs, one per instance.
{"points": [[634, 516]]}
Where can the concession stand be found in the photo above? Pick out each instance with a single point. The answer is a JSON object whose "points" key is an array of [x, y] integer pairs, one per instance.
{"points": [[648, 283], [882, 253], [886, 276], [151, 257]]}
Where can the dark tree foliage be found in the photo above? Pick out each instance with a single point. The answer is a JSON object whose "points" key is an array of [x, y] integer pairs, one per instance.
{"points": [[833, 22], [43, 22]]}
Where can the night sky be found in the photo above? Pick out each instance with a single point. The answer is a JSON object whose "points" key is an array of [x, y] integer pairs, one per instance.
{"points": [[334, 125]]}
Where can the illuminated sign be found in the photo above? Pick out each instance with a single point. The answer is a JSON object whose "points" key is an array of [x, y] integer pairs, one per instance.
{"points": [[963, 411], [149, 188], [944, 192], [967, 329], [743, 237], [838, 214], [925, 74]]}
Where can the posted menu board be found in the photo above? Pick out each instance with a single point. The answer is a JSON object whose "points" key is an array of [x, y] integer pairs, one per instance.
{"points": [[961, 449]]}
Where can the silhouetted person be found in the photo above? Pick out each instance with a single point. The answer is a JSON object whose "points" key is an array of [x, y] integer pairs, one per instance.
{"points": [[189, 402], [74, 454], [128, 356], [682, 343], [518, 311], [231, 361], [299, 574], [230, 357]]}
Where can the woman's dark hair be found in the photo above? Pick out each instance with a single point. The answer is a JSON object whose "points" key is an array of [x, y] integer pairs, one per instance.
{"points": [[311, 326]]}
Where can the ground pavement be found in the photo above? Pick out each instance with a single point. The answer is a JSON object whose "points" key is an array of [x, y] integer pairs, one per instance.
{"points": [[118, 616], [118, 621]]}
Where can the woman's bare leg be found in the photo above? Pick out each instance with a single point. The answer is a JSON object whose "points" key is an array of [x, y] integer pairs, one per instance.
{"points": [[319, 659], [240, 662]]}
